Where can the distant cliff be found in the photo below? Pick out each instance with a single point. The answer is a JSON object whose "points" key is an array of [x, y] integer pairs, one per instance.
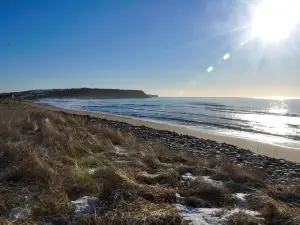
{"points": [[152, 96], [77, 93]]}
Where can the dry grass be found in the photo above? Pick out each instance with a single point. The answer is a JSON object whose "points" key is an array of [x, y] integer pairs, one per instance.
{"points": [[243, 218], [45, 163], [274, 211]]}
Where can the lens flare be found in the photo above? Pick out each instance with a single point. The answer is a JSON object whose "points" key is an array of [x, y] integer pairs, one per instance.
{"points": [[210, 69], [226, 56]]}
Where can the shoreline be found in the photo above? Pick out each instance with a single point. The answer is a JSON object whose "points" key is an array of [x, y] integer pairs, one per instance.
{"points": [[270, 150], [82, 162]]}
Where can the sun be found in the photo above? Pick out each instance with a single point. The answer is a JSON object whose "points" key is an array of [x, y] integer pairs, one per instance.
{"points": [[274, 20]]}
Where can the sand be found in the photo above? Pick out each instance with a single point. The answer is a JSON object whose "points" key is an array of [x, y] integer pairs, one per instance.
{"points": [[274, 151]]}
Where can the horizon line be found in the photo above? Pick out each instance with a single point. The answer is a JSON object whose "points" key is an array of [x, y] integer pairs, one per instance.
{"points": [[279, 97]]}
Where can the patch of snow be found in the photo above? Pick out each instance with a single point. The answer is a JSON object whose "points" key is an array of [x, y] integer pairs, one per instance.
{"points": [[208, 216], [153, 175], [91, 170], [241, 196], [241, 199], [248, 212], [121, 151], [179, 199], [85, 205], [17, 213], [211, 181], [188, 176], [199, 216]]}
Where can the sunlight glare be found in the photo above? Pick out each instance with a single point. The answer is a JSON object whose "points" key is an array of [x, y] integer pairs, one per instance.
{"points": [[226, 56], [278, 107], [274, 20], [210, 69]]}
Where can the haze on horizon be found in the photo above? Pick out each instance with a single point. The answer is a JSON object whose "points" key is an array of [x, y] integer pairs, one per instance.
{"points": [[205, 48]]}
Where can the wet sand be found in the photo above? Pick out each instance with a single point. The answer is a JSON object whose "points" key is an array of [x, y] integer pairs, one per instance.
{"points": [[274, 151]]}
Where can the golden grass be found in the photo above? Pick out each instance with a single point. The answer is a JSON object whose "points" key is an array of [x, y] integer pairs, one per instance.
{"points": [[45, 163], [276, 212], [243, 218]]}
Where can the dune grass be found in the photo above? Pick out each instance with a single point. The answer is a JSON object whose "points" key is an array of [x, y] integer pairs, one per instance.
{"points": [[49, 159]]}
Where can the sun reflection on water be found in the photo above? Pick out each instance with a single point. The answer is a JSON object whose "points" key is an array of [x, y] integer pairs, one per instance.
{"points": [[278, 107], [273, 120]]}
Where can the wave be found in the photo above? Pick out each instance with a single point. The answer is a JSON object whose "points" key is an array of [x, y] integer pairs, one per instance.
{"points": [[45, 103], [293, 125], [198, 114], [146, 105], [207, 104], [164, 111], [252, 112], [242, 128]]}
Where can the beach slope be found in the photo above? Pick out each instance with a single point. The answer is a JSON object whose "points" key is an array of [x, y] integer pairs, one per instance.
{"points": [[274, 151], [61, 167]]}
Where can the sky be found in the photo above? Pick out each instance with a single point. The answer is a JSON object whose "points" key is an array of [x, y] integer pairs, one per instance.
{"points": [[164, 47]]}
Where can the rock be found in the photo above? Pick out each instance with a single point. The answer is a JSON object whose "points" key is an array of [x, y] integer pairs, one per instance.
{"points": [[208, 149], [17, 213], [85, 205]]}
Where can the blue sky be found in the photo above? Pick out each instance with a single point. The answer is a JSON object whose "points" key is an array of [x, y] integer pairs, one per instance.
{"points": [[159, 46]]}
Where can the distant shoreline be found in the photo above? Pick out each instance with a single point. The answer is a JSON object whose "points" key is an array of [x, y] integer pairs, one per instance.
{"points": [[274, 151], [79, 93]]}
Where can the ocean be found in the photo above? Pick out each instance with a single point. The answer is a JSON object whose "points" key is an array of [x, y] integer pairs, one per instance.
{"points": [[270, 121]]}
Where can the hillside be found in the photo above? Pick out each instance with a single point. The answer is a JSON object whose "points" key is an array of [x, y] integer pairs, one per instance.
{"points": [[77, 93], [61, 168]]}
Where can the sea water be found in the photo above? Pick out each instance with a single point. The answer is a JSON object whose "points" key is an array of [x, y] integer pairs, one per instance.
{"points": [[270, 121]]}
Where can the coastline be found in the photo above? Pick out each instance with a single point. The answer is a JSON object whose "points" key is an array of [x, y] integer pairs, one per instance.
{"points": [[273, 151], [73, 158]]}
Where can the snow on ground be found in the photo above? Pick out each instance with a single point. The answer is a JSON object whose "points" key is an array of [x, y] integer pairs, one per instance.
{"points": [[91, 170], [188, 176], [179, 199], [85, 205], [121, 151], [199, 216], [17, 213], [211, 181], [241, 199], [207, 179], [178, 195], [240, 196], [208, 216]]}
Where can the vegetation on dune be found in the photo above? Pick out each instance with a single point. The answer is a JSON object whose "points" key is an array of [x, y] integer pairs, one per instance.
{"points": [[76, 93], [48, 160]]}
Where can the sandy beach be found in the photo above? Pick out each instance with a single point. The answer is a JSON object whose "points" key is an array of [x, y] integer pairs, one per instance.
{"points": [[274, 151]]}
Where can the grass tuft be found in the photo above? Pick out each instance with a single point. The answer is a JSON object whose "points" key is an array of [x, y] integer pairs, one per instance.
{"points": [[46, 160]]}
